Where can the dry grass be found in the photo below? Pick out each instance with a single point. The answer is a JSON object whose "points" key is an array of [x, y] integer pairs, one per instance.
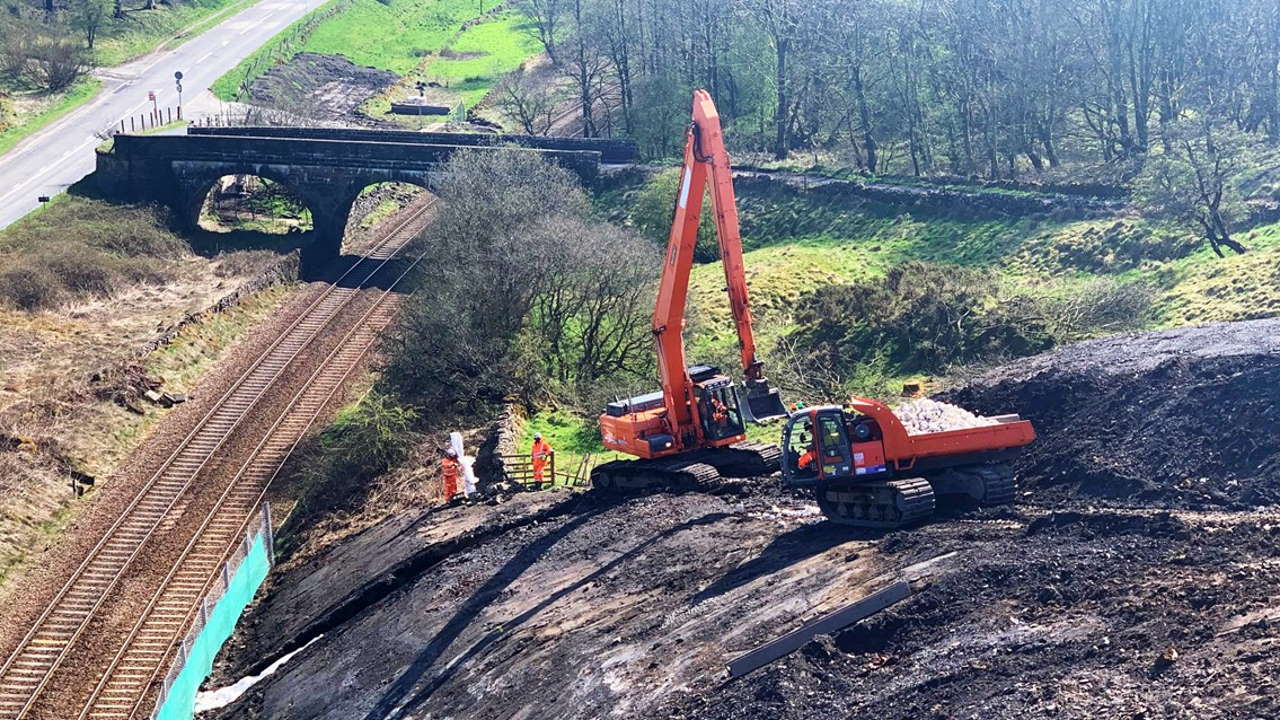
{"points": [[78, 249]]}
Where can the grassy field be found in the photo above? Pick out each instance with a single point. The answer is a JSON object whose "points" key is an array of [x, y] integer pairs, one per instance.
{"points": [[794, 244], [481, 55], [51, 108], [398, 35]]}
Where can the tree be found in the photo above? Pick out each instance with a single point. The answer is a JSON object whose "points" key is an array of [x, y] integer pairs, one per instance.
{"points": [[88, 16], [1197, 181], [528, 291], [55, 63], [519, 95], [544, 16], [781, 21]]}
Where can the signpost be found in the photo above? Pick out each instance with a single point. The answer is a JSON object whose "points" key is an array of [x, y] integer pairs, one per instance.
{"points": [[177, 79]]}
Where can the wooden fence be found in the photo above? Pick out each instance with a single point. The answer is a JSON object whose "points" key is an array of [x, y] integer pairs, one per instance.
{"points": [[520, 469]]}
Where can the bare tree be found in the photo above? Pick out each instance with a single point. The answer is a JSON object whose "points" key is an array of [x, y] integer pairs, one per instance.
{"points": [[1197, 182], [545, 16], [88, 16], [519, 95]]}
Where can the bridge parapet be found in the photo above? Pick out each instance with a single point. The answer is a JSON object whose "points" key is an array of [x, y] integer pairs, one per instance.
{"points": [[326, 173], [612, 150]]}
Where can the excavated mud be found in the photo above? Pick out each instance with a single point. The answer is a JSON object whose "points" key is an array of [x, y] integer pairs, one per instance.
{"points": [[1186, 417], [320, 86], [1134, 578]]}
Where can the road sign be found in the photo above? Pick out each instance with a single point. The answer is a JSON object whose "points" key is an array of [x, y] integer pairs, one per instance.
{"points": [[178, 76], [151, 95]]}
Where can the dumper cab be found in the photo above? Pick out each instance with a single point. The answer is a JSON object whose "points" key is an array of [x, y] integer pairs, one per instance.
{"points": [[826, 444]]}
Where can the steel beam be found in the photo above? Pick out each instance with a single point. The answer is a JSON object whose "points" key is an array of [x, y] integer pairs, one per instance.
{"points": [[829, 623]]}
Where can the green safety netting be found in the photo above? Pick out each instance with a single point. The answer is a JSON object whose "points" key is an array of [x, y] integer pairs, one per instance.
{"points": [[180, 703]]}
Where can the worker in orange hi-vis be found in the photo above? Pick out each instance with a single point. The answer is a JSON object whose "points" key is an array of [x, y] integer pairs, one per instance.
{"points": [[449, 468], [541, 455]]}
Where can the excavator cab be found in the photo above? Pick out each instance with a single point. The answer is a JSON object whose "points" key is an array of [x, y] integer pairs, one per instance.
{"points": [[816, 448], [719, 409]]}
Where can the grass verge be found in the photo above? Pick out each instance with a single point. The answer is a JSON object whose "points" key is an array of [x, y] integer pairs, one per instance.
{"points": [[65, 102]]}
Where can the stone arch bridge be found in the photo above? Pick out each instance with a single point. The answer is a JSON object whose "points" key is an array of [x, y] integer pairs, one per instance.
{"points": [[326, 168]]}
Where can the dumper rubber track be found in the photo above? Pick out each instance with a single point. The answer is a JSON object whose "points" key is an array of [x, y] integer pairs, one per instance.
{"points": [[883, 505], [669, 473], [741, 460], [987, 485], [998, 484]]}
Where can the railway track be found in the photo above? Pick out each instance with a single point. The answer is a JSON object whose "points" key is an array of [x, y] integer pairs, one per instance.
{"points": [[49, 642], [131, 675]]}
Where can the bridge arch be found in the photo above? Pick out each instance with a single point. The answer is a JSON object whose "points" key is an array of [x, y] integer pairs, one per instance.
{"points": [[195, 187], [271, 206], [374, 205]]}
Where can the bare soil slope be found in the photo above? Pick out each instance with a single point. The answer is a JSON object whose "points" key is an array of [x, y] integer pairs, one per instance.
{"points": [[1187, 417], [1121, 585]]}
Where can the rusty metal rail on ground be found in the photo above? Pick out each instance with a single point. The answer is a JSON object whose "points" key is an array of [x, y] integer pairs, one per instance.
{"points": [[38, 656]]}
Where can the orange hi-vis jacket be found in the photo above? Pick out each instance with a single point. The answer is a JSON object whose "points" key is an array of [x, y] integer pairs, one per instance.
{"points": [[541, 453], [449, 476]]}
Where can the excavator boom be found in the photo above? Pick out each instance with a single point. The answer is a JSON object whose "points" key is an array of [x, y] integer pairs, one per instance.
{"points": [[695, 427], [705, 157]]}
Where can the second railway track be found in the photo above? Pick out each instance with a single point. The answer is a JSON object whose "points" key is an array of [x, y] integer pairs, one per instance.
{"points": [[40, 654]]}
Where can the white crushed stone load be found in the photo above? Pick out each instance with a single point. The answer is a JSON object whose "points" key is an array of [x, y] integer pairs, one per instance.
{"points": [[924, 416]]}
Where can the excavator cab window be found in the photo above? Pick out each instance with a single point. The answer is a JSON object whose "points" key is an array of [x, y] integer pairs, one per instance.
{"points": [[800, 462], [720, 413], [835, 455]]}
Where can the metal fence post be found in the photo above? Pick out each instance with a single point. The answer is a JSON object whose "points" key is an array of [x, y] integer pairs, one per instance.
{"points": [[271, 536]]}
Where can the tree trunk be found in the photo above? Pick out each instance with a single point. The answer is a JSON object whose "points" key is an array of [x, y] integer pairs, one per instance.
{"points": [[780, 113], [864, 116]]}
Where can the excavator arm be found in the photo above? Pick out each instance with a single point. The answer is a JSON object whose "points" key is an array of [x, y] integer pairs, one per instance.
{"points": [[705, 154]]}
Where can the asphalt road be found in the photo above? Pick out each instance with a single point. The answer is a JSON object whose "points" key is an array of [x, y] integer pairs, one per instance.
{"points": [[60, 155]]}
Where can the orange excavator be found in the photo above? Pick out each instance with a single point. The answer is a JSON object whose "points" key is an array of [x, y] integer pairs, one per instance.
{"points": [[858, 459], [694, 429]]}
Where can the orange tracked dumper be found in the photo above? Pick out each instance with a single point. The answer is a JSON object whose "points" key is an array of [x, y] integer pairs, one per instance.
{"points": [[867, 470]]}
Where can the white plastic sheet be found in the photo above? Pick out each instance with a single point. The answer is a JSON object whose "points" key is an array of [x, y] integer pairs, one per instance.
{"points": [[467, 462]]}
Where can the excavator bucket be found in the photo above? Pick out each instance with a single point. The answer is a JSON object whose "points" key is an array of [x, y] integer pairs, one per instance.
{"points": [[763, 403]]}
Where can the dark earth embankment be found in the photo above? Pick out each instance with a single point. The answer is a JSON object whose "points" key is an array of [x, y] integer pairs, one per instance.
{"points": [[1188, 417], [1120, 585], [324, 87]]}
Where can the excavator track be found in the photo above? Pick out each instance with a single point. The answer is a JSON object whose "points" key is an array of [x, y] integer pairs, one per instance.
{"points": [[670, 473], [741, 460], [883, 505]]}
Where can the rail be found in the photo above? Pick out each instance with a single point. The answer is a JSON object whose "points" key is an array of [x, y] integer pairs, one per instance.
{"points": [[120, 692], [48, 643]]}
